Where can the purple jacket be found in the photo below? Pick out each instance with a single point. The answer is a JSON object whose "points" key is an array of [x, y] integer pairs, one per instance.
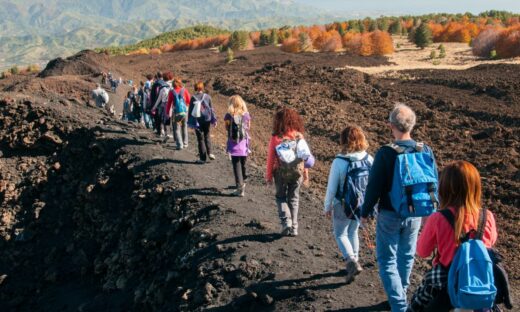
{"points": [[239, 148]]}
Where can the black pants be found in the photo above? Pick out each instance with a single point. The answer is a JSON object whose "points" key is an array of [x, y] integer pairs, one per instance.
{"points": [[157, 121], [204, 140], [239, 169]]}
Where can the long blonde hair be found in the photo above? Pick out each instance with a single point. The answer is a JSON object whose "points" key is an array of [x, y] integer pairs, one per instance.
{"points": [[460, 188], [237, 106]]}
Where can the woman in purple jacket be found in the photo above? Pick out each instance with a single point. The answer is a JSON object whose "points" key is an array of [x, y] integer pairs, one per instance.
{"points": [[238, 123]]}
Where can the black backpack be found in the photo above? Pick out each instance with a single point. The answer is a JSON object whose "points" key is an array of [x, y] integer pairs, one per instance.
{"points": [[236, 130]]}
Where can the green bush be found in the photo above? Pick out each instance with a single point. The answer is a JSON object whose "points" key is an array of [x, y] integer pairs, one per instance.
{"points": [[14, 70], [442, 53], [433, 55], [273, 38], [230, 56], [493, 54], [239, 40], [423, 36]]}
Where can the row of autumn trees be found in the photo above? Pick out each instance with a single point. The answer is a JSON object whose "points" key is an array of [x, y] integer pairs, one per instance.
{"points": [[488, 36], [492, 31]]}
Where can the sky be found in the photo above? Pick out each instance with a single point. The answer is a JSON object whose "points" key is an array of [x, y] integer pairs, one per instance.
{"points": [[392, 7]]}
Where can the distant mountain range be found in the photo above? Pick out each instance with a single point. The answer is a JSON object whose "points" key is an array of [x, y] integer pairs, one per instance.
{"points": [[35, 31]]}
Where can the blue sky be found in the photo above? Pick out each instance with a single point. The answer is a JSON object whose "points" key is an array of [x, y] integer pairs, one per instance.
{"points": [[389, 7]]}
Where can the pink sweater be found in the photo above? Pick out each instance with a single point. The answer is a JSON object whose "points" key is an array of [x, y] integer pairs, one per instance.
{"points": [[438, 234]]}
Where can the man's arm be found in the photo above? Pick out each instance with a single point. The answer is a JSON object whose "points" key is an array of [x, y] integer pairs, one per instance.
{"points": [[376, 181]]}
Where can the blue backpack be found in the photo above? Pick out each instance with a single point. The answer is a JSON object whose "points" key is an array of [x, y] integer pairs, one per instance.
{"points": [[181, 109], [471, 282], [415, 183], [352, 195]]}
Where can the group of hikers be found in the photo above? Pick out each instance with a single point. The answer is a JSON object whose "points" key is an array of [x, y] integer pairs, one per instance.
{"points": [[400, 187]]}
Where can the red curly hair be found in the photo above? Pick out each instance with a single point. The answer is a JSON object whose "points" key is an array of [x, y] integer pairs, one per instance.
{"points": [[285, 120]]}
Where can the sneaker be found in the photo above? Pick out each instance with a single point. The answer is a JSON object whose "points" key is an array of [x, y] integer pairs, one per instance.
{"points": [[286, 231], [359, 268], [352, 271], [200, 162], [170, 136], [179, 148], [211, 156], [294, 232], [185, 145]]}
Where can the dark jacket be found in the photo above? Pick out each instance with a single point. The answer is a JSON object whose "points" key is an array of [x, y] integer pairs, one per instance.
{"points": [[381, 176]]}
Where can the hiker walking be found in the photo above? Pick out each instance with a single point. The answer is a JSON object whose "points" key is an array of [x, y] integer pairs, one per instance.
{"points": [[136, 107], [348, 179], [100, 96], [286, 154], [400, 207], [157, 86], [144, 103], [201, 117], [460, 214], [177, 109], [238, 124], [128, 107], [159, 108]]}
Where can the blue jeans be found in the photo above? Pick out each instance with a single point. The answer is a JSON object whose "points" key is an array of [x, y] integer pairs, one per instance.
{"points": [[148, 120], [396, 241], [346, 233]]}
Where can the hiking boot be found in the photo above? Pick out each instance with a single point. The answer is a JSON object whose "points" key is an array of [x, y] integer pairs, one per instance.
{"points": [[352, 271], [286, 231], [211, 156]]}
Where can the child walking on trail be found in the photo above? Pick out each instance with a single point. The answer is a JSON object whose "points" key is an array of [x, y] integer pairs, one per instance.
{"points": [[345, 192], [238, 124], [201, 117], [286, 157], [460, 212]]}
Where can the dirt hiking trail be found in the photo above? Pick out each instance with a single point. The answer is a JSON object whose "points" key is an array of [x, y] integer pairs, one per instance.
{"points": [[100, 215]]}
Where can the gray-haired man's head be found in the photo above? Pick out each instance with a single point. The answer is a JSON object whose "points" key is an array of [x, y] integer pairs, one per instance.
{"points": [[403, 118]]}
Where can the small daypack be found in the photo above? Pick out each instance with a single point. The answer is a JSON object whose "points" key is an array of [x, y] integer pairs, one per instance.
{"points": [[471, 282], [236, 129], [291, 167], [206, 112], [414, 191], [352, 194], [180, 105]]}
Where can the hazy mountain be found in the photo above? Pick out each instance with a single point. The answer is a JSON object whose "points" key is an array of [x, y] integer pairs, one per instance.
{"points": [[34, 31]]}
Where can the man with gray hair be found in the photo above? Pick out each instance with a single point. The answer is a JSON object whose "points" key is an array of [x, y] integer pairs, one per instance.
{"points": [[396, 236]]}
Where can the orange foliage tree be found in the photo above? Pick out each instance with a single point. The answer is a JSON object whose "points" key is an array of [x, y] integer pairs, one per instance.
{"points": [[291, 45], [328, 41]]}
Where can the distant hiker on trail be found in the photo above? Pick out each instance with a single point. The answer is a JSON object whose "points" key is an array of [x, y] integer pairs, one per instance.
{"points": [[286, 154], [128, 107], [136, 107], [144, 103], [348, 179], [238, 124], [103, 78], [159, 108], [100, 96], [177, 109], [201, 117], [403, 199], [460, 212], [158, 84]]}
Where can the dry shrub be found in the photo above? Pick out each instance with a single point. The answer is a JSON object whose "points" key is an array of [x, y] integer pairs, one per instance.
{"points": [[382, 43], [367, 47], [291, 45], [155, 51], [485, 42], [329, 41], [508, 43], [255, 37], [352, 42], [141, 51]]}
